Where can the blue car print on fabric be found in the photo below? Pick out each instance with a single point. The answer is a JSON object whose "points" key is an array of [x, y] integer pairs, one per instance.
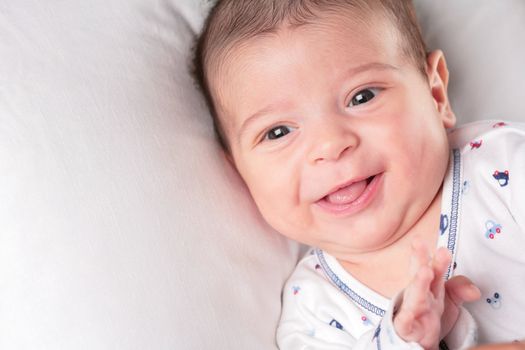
{"points": [[492, 229]]}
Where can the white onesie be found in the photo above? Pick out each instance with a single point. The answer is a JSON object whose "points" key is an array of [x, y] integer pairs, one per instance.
{"points": [[482, 223]]}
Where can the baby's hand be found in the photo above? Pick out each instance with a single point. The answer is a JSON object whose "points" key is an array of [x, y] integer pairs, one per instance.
{"points": [[419, 316], [458, 290]]}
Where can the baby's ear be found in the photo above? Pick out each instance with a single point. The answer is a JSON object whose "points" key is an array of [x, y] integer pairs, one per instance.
{"points": [[437, 73]]}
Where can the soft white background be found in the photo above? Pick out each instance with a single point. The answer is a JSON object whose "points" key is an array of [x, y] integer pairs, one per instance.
{"points": [[121, 225]]}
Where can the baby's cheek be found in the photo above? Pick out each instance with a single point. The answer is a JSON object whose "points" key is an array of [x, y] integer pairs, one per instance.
{"points": [[282, 218]]}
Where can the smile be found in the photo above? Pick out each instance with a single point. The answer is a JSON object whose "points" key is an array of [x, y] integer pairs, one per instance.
{"points": [[351, 198]]}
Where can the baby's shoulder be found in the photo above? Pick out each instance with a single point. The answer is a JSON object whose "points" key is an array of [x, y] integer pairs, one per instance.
{"points": [[308, 270], [309, 283], [490, 135]]}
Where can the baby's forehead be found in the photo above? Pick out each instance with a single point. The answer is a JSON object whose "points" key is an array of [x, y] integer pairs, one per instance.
{"points": [[324, 20], [234, 55]]}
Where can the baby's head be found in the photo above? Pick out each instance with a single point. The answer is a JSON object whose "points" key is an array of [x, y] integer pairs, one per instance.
{"points": [[331, 111], [232, 23]]}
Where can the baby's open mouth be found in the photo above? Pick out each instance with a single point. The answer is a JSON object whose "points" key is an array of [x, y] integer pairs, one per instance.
{"points": [[348, 193], [352, 197]]}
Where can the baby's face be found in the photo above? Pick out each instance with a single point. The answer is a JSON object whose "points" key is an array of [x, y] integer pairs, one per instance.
{"points": [[339, 138]]}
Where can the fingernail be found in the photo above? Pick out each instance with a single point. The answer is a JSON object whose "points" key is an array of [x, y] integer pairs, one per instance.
{"points": [[475, 289]]}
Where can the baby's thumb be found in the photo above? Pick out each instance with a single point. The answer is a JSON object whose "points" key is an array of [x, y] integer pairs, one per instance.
{"points": [[460, 289]]}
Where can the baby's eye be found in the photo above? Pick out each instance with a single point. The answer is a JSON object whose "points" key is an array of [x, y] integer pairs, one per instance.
{"points": [[277, 132], [363, 96]]}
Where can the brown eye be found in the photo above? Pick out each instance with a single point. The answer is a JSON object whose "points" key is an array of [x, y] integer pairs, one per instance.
{"points": [[363, 96], [277, 132]]}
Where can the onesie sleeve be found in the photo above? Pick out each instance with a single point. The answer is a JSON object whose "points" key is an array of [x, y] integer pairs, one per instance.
{"points": [[316, 315]]}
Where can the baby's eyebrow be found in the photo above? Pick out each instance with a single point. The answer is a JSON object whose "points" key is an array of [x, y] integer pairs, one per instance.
{"points": [[369, 66]]}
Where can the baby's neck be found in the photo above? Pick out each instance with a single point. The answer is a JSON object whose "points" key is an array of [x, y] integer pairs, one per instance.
{"points": [[387, 271]]}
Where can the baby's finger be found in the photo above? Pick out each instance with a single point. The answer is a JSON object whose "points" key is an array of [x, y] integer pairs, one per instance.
{"points": [[461, 290], [414, 304], [440, 263], [420, 256], [404, 324], [417, 291]]}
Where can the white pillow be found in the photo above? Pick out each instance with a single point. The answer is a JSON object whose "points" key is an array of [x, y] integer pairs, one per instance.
{"points": [[121, 225], [485, 50]]}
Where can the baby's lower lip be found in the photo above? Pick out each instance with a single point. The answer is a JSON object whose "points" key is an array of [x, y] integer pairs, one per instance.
{"points": [[358, 204]]}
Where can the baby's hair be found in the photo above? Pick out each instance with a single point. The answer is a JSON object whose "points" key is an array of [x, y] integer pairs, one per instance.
{"points": [[232, 22]]}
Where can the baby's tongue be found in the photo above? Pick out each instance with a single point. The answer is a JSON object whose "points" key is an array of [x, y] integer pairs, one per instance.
{"points": [[347, 194]]}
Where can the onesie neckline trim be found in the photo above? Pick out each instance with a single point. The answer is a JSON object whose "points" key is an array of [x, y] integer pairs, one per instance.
{"points": [[351, 293]]}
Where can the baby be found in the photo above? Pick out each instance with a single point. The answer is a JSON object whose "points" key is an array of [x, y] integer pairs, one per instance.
{"points": [[339, 123]]}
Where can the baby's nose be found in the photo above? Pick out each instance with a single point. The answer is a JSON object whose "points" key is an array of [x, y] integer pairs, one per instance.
{"points": [[331, 142]]}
